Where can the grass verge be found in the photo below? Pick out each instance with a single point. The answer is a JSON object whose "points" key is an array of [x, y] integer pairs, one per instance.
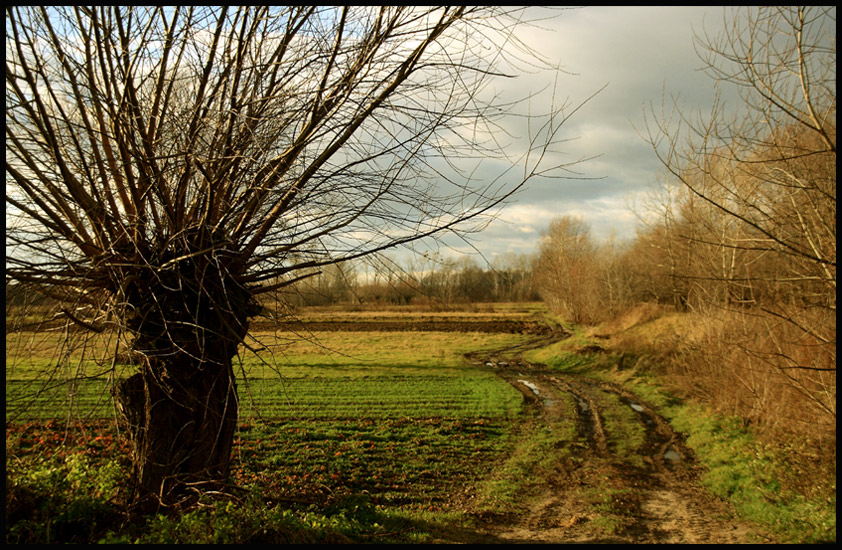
{"points": [[789, 489], [786, 487]]}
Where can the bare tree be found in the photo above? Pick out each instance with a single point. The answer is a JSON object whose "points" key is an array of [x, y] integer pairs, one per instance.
{"points": [[760, 182], [565, 270], [770, 166], [166, 165]]}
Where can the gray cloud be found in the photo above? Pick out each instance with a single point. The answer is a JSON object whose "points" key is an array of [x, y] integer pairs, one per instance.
{"points": [[640, 53]]}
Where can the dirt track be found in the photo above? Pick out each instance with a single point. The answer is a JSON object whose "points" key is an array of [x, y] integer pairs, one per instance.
{"points": [[655, 495], [654, 490]]}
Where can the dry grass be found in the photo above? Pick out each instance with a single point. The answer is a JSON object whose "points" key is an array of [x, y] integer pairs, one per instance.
{"points": [[762, 370], [754, 366], [632, 317]]}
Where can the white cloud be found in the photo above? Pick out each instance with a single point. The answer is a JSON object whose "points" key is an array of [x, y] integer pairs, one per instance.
{"points": [[641, 53]]}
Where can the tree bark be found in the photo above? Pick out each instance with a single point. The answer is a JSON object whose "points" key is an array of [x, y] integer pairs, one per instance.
{"points": [[180, 410], [181, 429]]}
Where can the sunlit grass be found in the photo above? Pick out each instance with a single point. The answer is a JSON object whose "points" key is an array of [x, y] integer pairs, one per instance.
{"points": [[457, 312], [321, 375], [291, 352], [381, 428], [385, 393], [755, 477]]}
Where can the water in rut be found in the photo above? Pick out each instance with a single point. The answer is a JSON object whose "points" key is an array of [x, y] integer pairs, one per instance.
{"points": [[655, 492]]}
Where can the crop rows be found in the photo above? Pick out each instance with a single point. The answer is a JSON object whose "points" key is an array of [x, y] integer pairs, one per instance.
{"points": [[474, 394], [387, 396], [376, 375]]}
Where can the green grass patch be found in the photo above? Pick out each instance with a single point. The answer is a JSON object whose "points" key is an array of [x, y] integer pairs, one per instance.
{"points": [[754, 476], [62, 482], [624, 431], [51, 398], [538, 451], [303, 481], [297, 354], [330, 374], [578, 354], [767, 482], [385, 394], [609, 519]]}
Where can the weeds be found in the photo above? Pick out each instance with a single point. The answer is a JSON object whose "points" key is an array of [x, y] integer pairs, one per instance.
{"points": [[325, 481], [753, 474], [59, 492]]}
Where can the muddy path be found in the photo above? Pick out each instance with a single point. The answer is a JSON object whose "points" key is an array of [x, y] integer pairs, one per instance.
{"points": [[600, 489]]}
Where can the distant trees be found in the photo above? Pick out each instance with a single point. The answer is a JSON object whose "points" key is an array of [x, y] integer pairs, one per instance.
{"points": [[584, 280], [437, 283], [566, 270]]}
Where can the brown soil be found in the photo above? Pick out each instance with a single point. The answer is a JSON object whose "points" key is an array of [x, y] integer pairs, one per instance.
{"points": [[656, 494], [507, 326]]}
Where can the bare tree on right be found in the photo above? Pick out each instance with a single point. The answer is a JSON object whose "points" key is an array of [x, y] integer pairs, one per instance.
{"points": [[758, 201]]}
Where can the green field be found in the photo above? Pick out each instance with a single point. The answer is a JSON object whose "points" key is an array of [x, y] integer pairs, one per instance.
{"points": [[344, 436], [332, 425], [318, 375]]}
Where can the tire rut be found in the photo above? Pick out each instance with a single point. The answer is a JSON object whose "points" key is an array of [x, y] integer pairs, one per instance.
{"points": [[597, 492]]}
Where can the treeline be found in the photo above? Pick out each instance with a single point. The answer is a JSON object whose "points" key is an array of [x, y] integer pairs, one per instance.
{"points": [[743, 242], [751, 264], [754, 326], [434, 282], [754, 329]]}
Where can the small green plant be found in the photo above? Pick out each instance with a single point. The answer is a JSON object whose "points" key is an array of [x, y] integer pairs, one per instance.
{"points": [[625, 432], [50, 499]]}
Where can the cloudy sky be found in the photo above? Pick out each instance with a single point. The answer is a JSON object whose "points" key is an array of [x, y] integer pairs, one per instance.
{"points": [[638, 52]]}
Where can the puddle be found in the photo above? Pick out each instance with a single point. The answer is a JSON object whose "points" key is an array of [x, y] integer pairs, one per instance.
{"points": [[536, 391], [672, 455], [531, 386], [583, 405]]}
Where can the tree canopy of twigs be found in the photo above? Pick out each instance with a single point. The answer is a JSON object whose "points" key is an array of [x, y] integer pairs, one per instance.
{"points": [[165, 165], [293, 138]]}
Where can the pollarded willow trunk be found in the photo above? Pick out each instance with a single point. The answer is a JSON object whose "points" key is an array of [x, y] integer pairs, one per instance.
{"points": [[181, 426], [188, 315]]}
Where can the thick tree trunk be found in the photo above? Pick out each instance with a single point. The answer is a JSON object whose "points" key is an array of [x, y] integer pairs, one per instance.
{"points": [[188, 313], [180, 411], [181, 429]]}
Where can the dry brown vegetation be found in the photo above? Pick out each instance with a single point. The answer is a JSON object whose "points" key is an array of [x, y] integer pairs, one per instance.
{"points": [[713, 357], [740, 240]]}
